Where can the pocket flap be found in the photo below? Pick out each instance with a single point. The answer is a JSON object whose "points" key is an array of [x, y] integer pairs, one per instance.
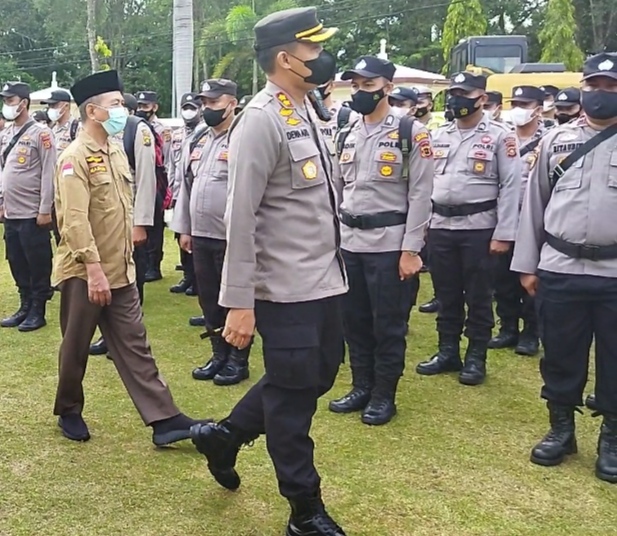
{"points": [[291, 337], [481, 154], [389, 157], [302, 150], [441, 153]]}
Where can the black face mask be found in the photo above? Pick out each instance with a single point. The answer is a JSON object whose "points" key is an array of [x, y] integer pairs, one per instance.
{"points": [[143, 114], [462, 106], [448, 116], [213, 118], [421, 112], [365, 102], [323, 69], [599, 104], [563, 118]]}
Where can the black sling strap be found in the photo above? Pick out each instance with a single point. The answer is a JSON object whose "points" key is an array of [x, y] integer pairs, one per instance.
{"points": [[13, 143], [579, 153], [197, 137], [530, 147]]}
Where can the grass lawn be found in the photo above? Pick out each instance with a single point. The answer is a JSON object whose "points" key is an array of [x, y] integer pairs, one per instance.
{"points": [[454, 462]]}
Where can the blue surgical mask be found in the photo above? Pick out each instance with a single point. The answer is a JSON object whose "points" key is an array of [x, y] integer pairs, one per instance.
{"points": [[117, 120]]}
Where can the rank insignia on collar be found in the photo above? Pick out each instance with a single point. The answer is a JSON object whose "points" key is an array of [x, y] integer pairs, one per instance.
{"points": [[284, 100], [293, 122]]}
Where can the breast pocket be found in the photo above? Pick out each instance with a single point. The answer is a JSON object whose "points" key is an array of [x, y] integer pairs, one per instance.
{"points": [[480, 165], [612, 171], [441, 159], [347, 165], [305, 164], [387, 166], [220, 169], [573, 177], [101, 186], [23, 156]]}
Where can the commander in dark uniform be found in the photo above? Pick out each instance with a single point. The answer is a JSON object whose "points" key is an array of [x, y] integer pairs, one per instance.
{"points": [[283, 271]]}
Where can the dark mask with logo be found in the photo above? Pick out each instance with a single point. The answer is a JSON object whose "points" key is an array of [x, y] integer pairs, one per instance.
{"points": [[365, 102], [323, 68], [421, 112], [213, 118], [599, 104], [143, 114], [462, 106], [563, 118]]}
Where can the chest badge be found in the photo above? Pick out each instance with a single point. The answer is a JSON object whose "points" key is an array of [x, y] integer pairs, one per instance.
{"points": [[309, 170], [346, 157], [386, 171], [479, 168]]}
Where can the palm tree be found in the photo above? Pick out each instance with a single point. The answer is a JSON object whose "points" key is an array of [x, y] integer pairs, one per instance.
{"points": [[182, 51]]}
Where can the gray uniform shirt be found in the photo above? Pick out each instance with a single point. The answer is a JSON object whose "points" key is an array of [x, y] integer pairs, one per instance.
{"points": [[62, 133], [166, 134], [282, 230], [478, 165], [528, 160], [27, 178], [372, 168], [200, 208], [581, 208]]}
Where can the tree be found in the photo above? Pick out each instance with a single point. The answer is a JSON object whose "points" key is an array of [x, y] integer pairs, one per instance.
{"points": [[463, 19], [92, 37], [558, 36], [182, 50]]}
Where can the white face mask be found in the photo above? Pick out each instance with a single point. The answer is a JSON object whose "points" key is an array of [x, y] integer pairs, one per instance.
{"points": [[188, 114], [54, 114], [10, 113], [521, 116], [548, 106]]}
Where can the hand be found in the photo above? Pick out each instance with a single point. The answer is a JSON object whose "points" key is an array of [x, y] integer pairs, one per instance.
{"points": [[239, 327], [99, 292], [140, 237], [499, 247], [43, 220], [186, 243], [530, 283], [409, 265]]}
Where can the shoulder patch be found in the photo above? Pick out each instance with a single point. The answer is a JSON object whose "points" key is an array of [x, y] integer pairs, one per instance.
{"points": [[45, 138], [146, 137], [67, 169], [421, 136]]}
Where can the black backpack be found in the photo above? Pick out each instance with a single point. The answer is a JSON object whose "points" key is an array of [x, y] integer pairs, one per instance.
{"points": [[73, 129]]}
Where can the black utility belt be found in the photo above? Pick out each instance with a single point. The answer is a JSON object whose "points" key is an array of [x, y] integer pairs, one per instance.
{"points": [[451, 211], [582, 251], [373, 221]]}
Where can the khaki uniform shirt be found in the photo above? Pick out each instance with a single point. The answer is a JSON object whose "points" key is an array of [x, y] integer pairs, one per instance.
{"points": [[581, 209], [26, 180], [378, 179], [480, 164], [94, 207], [282, 229]]}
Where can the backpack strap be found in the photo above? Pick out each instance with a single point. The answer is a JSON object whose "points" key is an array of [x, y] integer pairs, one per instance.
{"points": [[341, 136], [73, 129], [530, 146], [342, 119], [128, 140], [197, 137], [405, 138]]}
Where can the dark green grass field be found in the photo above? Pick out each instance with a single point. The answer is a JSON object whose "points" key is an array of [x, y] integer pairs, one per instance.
{"points": [[454, 462]]}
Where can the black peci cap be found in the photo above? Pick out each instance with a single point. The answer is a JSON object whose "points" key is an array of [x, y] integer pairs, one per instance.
{"points": [[297, 24], [468, 81], [404, 94], [16, 89], [527, 94], [58, 95], [371, 67], [147, 97], [96, 84], [190, 99], [495, 97], [604, 64], [214, 88], [567, 97]]}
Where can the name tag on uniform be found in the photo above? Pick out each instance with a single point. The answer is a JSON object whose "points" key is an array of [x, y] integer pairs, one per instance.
{"points": [[223, 155]]}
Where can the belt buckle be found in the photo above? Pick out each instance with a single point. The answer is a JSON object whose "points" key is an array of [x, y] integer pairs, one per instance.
{"points": [[589, 252]]}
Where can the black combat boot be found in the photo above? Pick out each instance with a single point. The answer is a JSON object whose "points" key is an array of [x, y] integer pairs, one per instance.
{"points": [[590, 402], [181, 287], [153, 274], [220, 444], [429, 307], [606, 465], [358, 397], [507, 336], [99, 347], [197, 321], [309, 518], [220, 355], [191, 291], [447, 359], [18, 316], [382, 407], [474, 371], [528, 341], [36, 317], [236, 369], [560, 439]]}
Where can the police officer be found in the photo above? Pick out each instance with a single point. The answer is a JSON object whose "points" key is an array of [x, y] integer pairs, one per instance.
{"points": [[548, 107], [494, 105], [190, 110], [199, 218], [130, 103], [283, 271], [147, 107], [59, 113], [385, 210], [27, 160], [568, 105], [513, 303], [405, 99], [566, 251], [95, 268], [424, 111], [475, 215], [329, 128]]}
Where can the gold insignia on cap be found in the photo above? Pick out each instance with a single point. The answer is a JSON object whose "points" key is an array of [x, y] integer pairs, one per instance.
{"points": [[309, 170], [460, 78]]}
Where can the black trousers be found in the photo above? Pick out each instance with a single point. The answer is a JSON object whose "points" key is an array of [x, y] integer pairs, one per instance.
{"points": [[462, 269], [375, 315], [513, 302], [572, 310], [303, 348], [425, 255], [186, 260], [140, 257], [208, 257], [156, 237], [28, 251]]}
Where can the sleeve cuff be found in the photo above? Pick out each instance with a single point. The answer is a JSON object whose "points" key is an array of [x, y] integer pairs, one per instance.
{"points": [[87, 256], [413, 243], [237, 297]]}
